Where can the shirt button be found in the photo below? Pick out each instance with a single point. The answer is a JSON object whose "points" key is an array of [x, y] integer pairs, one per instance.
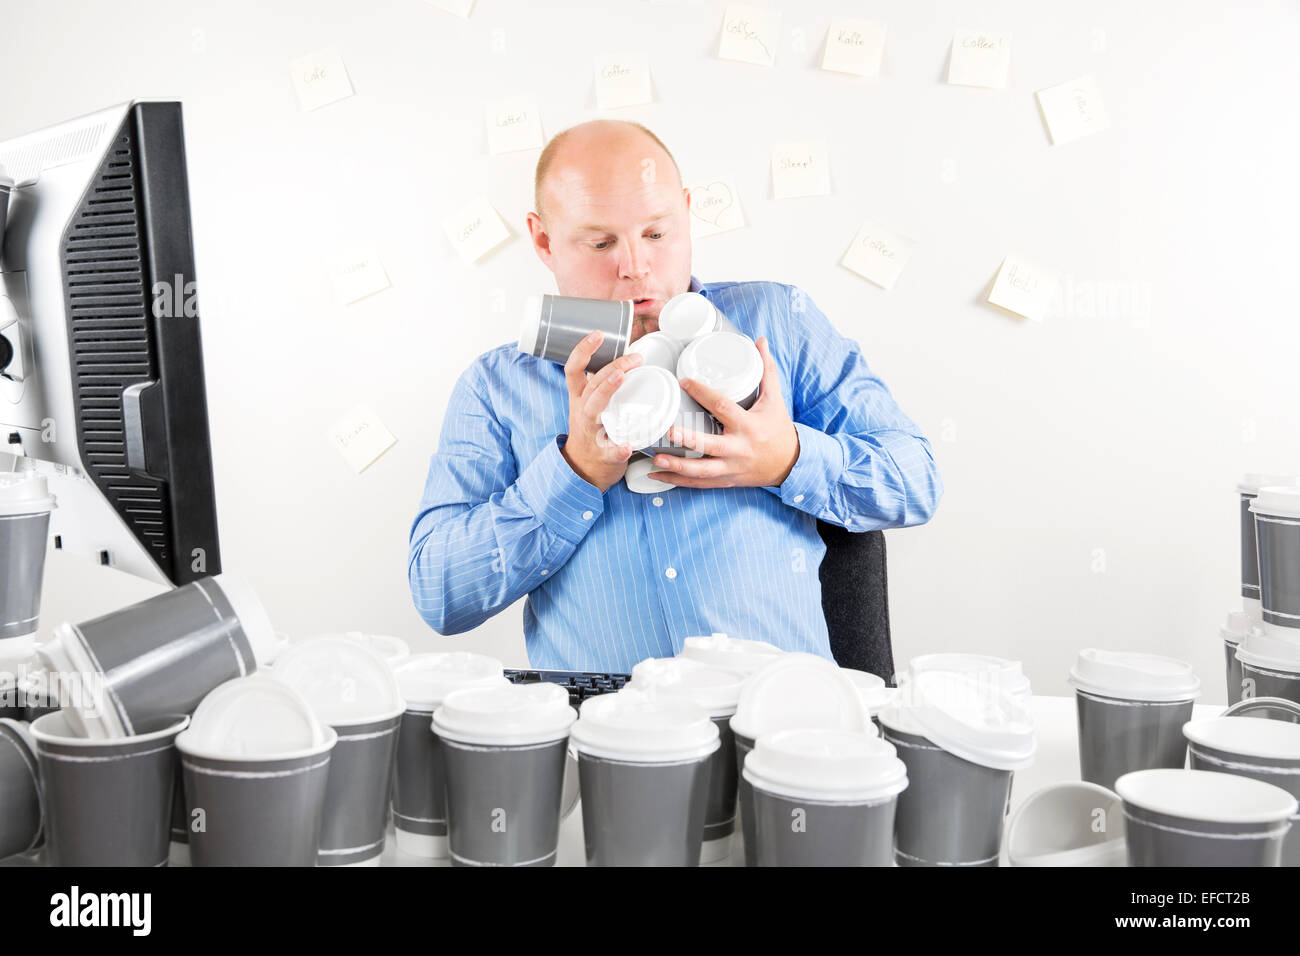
{"points": [[657, 502], [586, 516], [670, 573], [797, 499], [545, 571]]}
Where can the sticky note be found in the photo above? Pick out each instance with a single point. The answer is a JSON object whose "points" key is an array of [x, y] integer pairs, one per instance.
{"points": [[1023, 287], [800, 169], [360, 438], [980, 58], [1073, 110], [854, 46], [320, 78], [715, 208], [878, 254], [749, 34], [461, 8], [356, 274], [513, 124], [622, 80], [475, 229]]}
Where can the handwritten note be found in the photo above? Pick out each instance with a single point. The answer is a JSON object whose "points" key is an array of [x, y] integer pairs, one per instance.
{"points": [[800, 169], [622, 81], [357, 274], [1023, 287], [513, 124], [878, 254], [980, 59], [854, 46], [1073, 110], [475, 230], [360, 438], [462, 8], [319, 79], [715, 208], [749, 34]]}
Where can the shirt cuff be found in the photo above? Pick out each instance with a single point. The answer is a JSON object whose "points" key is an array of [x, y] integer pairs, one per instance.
{"points": [[564, 502], [819, 466]]}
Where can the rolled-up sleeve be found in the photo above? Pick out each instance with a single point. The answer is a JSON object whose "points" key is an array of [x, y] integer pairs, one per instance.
{"points": [[863, 464]]}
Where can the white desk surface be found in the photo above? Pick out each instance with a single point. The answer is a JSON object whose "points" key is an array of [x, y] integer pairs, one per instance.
{"points": [[1056, 762]]}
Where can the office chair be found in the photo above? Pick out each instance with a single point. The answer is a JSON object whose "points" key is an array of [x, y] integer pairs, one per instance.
{"points": [[855, 599]]}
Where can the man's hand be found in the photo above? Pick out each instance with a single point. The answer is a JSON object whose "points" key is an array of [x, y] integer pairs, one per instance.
{"points": [[757, 447], [590, 453]]}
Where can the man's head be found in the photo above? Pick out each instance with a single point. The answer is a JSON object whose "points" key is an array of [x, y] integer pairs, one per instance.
{"points": [[612, 217]]}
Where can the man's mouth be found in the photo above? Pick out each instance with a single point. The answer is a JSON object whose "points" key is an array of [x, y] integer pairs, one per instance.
{"points": [[644, 305]]}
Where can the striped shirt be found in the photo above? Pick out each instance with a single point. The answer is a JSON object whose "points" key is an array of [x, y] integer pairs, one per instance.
{"points": [[617, 577]]}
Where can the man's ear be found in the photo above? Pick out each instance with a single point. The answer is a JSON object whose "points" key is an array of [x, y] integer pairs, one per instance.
{"points": [[540, 239]]}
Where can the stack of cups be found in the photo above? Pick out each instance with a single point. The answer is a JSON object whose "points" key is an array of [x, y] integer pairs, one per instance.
{"points": [[1277, 535], [420, 782], [793, 692], [352, 689], [824, 798], [1131, 709], [1248, 488], [504, 749], [22, 821], [255, 760], [25, 506], [644, 762], [158, 657], [640, 414], [961, 739], [717, 692], [1198, 818], [1255, 747], [1270, 664]]}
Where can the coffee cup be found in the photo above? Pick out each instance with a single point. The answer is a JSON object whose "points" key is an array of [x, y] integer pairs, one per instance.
{"points": [[657, 348], [1232, 633], [1277, 536], [22, 822], [727, 362], [25, 505], [1131, 711], [648, 404], [1068, 824], [553, 325], [689, 315], [1001, 674], [737, 654], [1247, 489], [1270, 664]]}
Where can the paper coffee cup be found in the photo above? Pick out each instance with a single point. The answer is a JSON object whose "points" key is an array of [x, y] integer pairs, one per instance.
{"points": [[22, 822], [1131, 711], [1270, 664], [504, 751], [637, 476], [644, 763], [1198, 818], [657, 348], [730, 653], [1068, 824], [646, 406], [25, 505], [717, 693], [824, 798], [689, 315], [1247, 489], [553, 325], [420, 780], [727, 362], [1002, 675], [108, 802], [1277, 535]]}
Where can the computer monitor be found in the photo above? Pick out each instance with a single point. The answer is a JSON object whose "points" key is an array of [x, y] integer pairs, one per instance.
{"points": [[101, 383]]}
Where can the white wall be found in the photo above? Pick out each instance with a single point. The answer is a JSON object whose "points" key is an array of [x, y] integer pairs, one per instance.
{"points": [[1123, 431]]}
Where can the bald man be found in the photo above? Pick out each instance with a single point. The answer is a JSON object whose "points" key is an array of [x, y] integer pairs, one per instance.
{"points": [[524, 495]]}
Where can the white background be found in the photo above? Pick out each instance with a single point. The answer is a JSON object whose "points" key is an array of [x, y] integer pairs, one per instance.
{"points": [[1104, 437]]}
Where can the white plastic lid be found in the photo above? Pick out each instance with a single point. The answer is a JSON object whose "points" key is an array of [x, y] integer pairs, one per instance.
{"points": [[687, 315], [344, 681], [730, 653], [530, 323], [713, 689], [253, 620], [1261, 648], [1130, 676], [1247, 736], [657, 348], [24, 493], [643, 408], [506, 715], [1005, 675], [644, 726], [871, 690], [727, 362], [392, 649], [972, 719], [799, 691], [1251, 483], [257, 717], [1280, 500], [831, 765], [1238, 625], [426, 679], [1206, 795], [638, 477]]}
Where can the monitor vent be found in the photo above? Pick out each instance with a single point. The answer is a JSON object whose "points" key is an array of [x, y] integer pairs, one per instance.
{"points": [[28, 162]]}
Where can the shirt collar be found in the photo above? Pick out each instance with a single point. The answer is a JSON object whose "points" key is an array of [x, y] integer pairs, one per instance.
{"points": [[696, 286]]}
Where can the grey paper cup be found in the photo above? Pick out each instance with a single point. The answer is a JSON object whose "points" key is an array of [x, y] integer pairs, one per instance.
{"points": [[952, 812], [1119, 736], [256, 812], [20, 790], [1277, 535], [108, 802], [837, 834], [745, 798], [355, 817], [720, 811], [420, 787], [1232, 671], [22, 541], [1180, 818]]}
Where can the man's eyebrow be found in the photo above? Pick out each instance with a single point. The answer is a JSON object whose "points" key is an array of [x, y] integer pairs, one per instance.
{"points": [[592, 227]]}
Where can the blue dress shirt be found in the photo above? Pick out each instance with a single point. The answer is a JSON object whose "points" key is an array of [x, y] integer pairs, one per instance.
{"points": [[617, 577]]}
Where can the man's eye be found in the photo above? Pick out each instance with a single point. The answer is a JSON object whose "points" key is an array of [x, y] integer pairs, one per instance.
{"points": [[601, 245], [656, 235]]}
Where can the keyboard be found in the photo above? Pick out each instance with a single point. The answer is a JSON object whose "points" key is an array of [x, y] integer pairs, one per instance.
{"points": [[579, 684]]}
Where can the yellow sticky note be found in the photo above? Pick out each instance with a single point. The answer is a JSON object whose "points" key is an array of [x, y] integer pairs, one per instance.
{"points": [[1073, 110], [475, 229], [980, 58], [356, 274], [854, 46], [749, 34], [1023, 287], [715, 208], [878, 254], [622, 80], [513, 124], [800, 169], [360, 437], [319, 79]]}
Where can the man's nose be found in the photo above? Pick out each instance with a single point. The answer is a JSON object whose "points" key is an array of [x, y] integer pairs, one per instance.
{"points": [[635, 263]]}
